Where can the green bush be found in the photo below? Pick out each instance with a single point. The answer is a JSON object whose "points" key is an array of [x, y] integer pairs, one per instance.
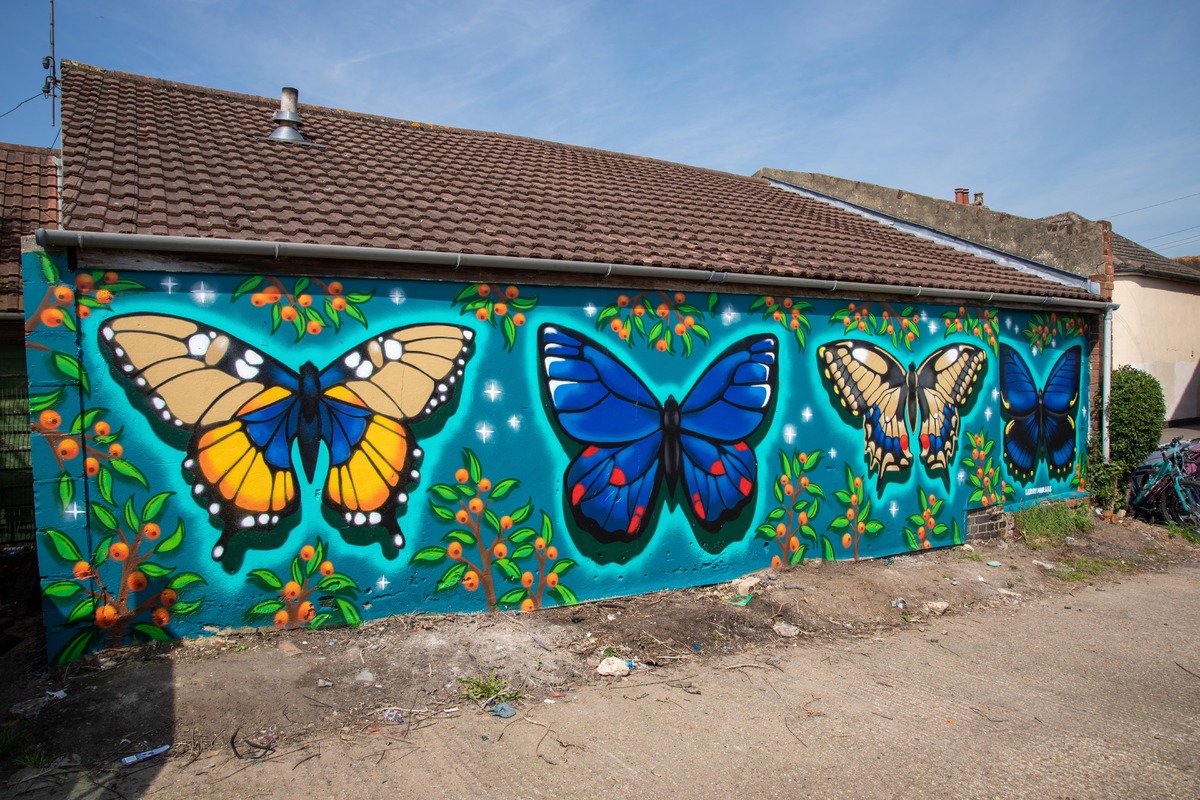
{"points": [[1136, 412]]}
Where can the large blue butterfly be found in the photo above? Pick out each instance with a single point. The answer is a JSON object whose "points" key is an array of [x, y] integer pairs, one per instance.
{"points": [[1040, 420], [629, 437], [246, 411]]}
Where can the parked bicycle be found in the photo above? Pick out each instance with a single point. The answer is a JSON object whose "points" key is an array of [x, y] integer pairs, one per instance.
{"points": [[1167, 484]]}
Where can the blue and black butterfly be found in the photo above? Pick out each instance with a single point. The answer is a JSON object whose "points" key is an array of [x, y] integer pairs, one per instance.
{"points": [[246, 410], [630, 439], [1040, 421], [895, 402]]}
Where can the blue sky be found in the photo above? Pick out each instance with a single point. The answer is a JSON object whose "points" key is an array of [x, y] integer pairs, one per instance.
{"points": [[1044, 107]]}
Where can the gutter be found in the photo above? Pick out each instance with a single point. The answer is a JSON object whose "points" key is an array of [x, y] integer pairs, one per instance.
{"points": [[277, 250]]}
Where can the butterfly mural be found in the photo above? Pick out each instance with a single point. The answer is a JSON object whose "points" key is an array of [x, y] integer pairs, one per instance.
{"points": [[246, 410], [894, 401], [1041, 421], [632, 443]]}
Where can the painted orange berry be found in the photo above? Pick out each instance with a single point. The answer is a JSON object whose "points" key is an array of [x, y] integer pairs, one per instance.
{"points": [[51, 317], [518, 319], [307, 553], [847, 540], [102, 428], [106, 616], [512, 292], [858, 483], [471, 580], [272, 294], [926, 544], [476, 505], [780, 529], [63, 294], [624, 334], [313, 327], [281, 618], [551, 552], [481, 314], [539, 544], [326, 568], [118, 551], [663, 310], [338, 303], [67, 449], [680, 297], [306, 611], [552, 580], [168, 597], [862, 527], [462, 476], [778, 315], [291, 590], [622, 301], [160, 617], [804, 482], [111, 277], [484, 290], [795, 324], [104, 296], [527, 579], [49, 420], [680, 329], [82, 570], [500, 550], [853, 499], [136, 581], [485, 485], [500, 309], [335, 288], [787, 303], [776, 562], [793, 544], [615, 324], [506, 522], [921, 532], [462, 517], [661, 346], [454, 550], [116, 450], [850, 514], [304, 300], [803, 517], [789, 490], [151, 531], [288, 313], [527, 605], [639, 311], [258, 299], [84, 282]]}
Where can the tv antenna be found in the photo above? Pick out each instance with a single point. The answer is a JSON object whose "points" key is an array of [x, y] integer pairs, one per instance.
{"points": [[50, 86]]}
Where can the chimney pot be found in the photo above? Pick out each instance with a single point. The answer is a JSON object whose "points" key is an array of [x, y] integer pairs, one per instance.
{"points": [[962, 196], [288, 117], [979, 198]]}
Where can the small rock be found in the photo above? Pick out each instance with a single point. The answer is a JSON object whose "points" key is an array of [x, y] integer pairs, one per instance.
{"points": [[966, 548], [1070, 540], [365, 676], [1042, 564], [289, 648], [936, 607], [745, 586], [323, 684], [786, 629], [613, 667]]}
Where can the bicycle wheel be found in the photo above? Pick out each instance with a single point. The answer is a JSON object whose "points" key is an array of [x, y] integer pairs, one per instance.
{"points": [[1183, 506]]}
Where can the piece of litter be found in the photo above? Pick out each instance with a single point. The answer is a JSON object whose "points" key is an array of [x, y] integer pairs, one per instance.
{"points": [[548, 701], [502, 710], [993, 563], [365, 676], [741, 601], [393, 715], [899, 603], [696, 647], [786, 629], [142, 756], [61, 694], [323, 684], [611, 618]]}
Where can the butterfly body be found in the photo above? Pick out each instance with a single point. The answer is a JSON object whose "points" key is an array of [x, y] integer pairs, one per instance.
{"points": [[1041, 419], [895, 401], [633, 444], [246, 411]]}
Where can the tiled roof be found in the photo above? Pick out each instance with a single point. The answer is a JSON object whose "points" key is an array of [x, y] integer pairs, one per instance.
{"points": [[28, 186], [151, 157], [1129, 256]]}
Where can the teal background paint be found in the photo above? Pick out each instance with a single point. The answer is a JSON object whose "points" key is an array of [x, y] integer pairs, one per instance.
{"points": [[500, 415]]}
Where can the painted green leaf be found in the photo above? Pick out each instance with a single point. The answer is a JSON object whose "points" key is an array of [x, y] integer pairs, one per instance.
{"points": [[874, 526], [320, 620], [512, 597], [502, 489], [605, 315], [827, 549], [153, 570], [468, 291], [104, 484], [76, 647], [245, 287], [451, 577], [564, 595], [297, 571], [359, 297], [474, 468], [129, 470], [131, 517], [776, 514], [842, 496], [49, 268], [276, 317], [349, 611], [523, 513], [84, 609], [185, 580], [838, 523], [154, 506], [62, 544], [466, 490], [524, 551], [765, 531], [103, 516], [152, 632], [173, 541], [687, 344], [461, 536], [816, 491], [798, 556], [440, 512], [492, 520], [186, 607], [510, 570], [777, 490], [445, 492], [429, 555], [337, 582], [41, 402], [713, 299], [521, 534], [72, 369], [509, 329], [355, 313], [564, 566], [265, 578], [101, 553], [524, 303], [62, 589], [318, 558], [268, 606], [66, 490]]}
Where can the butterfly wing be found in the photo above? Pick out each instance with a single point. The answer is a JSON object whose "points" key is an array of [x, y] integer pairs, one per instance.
{"points": [[728, 404], [1022, 405], [871, 384], [241, 406], [946, 383], [1059, 400], [613, 483], [369, 396]]}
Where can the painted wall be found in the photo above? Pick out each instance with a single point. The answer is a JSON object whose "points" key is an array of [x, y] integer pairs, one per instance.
{"points": [[221, 450], [1156, 330]]}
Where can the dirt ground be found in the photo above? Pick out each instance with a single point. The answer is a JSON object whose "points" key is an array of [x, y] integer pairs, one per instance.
{"points": [[237, 701]]}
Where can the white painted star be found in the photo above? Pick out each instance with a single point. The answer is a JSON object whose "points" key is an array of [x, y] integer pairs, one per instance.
{"points": [[203, 295], [962, 476], [1008, 323], [74, 511], [493, 391], [590, 310], [514, 422], [933, 328], [169, 283], [382, 583], [924, 316], [397, 296], [789, 433], [1053, 342], [894, 508], [484, 431], [995, 394], [833, 452], [1033, 350], [729, 316], [987, 413], [806, 414]]}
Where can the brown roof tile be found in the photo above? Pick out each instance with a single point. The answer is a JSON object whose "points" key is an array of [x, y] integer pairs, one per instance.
{"points": [[141, 155], [28, 201]]}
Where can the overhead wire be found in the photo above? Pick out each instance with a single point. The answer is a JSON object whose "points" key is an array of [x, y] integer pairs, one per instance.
{"points": [[18, 105], [1156, 205]]}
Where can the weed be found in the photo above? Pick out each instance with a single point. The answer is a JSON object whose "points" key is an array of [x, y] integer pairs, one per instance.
{"points": [[608, 652], [905, 616], [1081, 569], [1049, 525], [971, 557], [489, 689], [1187, 534], [36, 758]]}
